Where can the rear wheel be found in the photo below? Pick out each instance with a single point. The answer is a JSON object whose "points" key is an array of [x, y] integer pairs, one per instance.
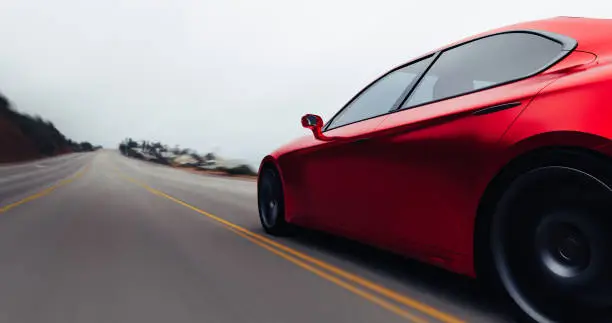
{"points": [[271, 203], [551, 240]]}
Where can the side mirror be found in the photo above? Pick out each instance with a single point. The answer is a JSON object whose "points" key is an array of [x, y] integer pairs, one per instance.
{"points": [[312, 121], [315, 124]]}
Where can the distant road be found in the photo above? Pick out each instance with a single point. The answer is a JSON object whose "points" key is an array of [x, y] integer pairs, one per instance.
{"points": [[98, 237], [20, 180]]}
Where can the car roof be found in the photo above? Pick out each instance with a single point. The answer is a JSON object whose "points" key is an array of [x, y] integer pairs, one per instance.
{"points": [[592, 34]]}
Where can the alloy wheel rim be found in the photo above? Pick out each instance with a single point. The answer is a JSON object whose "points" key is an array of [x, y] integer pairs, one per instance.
{"points": [[573, 258], [563, 249]]}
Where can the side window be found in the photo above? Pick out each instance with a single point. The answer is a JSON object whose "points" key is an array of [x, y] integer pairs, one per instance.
{"points": [[483, 63], [380, 96]]}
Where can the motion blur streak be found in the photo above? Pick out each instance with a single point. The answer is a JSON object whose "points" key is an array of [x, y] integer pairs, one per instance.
{"points": [[44, 192], [441, 316]]}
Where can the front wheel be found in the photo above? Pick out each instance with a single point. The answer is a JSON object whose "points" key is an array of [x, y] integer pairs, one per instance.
{"points": [[271, 203], [552, 245]]}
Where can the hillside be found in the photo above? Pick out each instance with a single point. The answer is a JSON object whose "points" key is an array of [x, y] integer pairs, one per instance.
{"points": [[23, 137]]}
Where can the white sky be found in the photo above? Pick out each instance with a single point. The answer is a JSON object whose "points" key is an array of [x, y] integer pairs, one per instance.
{"points": [[229, 75]]}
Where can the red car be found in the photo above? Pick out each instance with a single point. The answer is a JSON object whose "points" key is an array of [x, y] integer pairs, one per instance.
{"points": [[490, 157]]}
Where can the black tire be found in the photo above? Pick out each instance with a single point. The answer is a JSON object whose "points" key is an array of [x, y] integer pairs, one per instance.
{"points": [[271, 204], [551, 239]]}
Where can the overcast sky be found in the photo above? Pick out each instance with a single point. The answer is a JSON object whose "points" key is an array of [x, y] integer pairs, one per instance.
{"points": [[229, 75]]}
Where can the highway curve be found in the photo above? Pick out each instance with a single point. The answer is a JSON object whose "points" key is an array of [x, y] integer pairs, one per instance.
{"points": [[98, 237]]}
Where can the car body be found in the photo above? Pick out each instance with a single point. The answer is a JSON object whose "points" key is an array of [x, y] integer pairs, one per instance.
{"points": [[418, 166]]}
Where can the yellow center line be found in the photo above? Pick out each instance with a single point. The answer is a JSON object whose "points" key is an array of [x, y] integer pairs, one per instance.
{"points": [[372, 298], [44, 192], [402, 299]]}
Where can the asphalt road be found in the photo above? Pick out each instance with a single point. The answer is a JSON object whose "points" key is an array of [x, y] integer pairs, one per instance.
{"points": [[98, 237]]}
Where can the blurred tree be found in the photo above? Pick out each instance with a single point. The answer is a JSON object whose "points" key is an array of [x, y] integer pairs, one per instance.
{"points": [[42, 133], [131, 143], [86, 146]]}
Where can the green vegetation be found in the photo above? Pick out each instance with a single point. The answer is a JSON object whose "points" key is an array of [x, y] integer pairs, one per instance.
{"points": [[46, 139]]}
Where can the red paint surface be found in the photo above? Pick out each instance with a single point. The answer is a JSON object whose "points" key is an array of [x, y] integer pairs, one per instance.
{"points": [[415, 187]]}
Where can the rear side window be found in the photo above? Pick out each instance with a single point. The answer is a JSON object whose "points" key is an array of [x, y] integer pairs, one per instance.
{"points": [[483, 63]]}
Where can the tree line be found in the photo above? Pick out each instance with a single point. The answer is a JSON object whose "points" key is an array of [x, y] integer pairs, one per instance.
{"points": [[156, 148], [47, 139], [156, 152]]}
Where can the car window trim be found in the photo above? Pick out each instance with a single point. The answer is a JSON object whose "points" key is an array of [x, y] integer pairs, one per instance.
{"points": [[412, 86], [331, 120], [568, 44]]}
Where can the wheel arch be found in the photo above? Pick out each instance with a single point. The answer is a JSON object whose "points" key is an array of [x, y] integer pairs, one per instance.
{"points": [[527, 158], [267, 161], [271, 161]]}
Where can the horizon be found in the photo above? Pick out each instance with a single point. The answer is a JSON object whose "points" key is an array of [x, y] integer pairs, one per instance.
{"points": [[234, 78]]}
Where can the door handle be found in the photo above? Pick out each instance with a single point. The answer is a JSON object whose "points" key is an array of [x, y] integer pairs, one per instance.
{"points": [[495, 108], [360, 140]]}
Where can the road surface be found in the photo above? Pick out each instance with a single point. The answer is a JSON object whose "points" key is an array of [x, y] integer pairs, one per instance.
{"points": [[98, 237]]}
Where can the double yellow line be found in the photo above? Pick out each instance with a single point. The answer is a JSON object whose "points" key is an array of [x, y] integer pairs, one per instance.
{"points": [[395, 302], [375, 293]]}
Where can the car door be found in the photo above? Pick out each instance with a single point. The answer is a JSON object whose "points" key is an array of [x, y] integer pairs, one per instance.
{"points": [[337, 171], [430, 152]]}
